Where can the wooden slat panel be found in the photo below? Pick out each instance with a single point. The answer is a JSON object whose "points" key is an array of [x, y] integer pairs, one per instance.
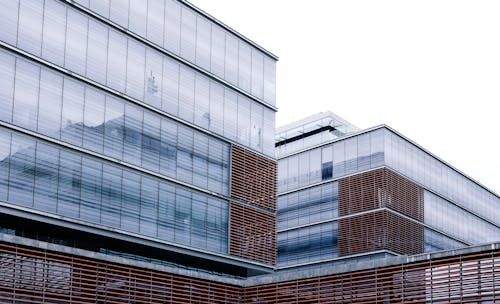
{"points": [[381, 188], [34, 276], [253, 178], [253, 234], [473, 278]]}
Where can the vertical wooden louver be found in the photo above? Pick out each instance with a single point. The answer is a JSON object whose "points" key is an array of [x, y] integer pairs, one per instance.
{"points": [[379, 230], [29, 275], [253, 219], [470, 278]]}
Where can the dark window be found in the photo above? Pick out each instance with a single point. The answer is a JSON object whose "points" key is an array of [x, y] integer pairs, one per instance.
{"points": [[326, 170]]}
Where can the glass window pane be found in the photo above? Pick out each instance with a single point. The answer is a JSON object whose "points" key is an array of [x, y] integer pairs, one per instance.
{"points": [[245, 66], [156, 19], [216, 108], [188, 34], [111, 196], [114, 127], [202, 106], [168, 150], [49, 119], [100, 6], [26, 94], [185, 154], [119, 12], [7, 62], [138, 17], [203, 32], [30, 26], [182, 216], [76, 42], [69, 186], [72, 113], [186, 94], [131, 196], [97, 52], [133, 135], [153, 76], [257, 73], [231, 60], [230, 114], [269, 80], [243, 120], [8, 21], [4, 162], [93, 120], [135, 69], [149, 207], [218, 51], [22, 166], [200, 160], [54, 31], [172, 26], [151, 142], [117, 53], [90, 205], [257, 125], [170, 93]]}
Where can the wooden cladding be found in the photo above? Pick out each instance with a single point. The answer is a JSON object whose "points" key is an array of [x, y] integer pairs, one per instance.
{"points": [[37, 276], [378, 189], [29, 275], [380, 230], [253, 234], [381, 188], [253, 178], [473, 278]]}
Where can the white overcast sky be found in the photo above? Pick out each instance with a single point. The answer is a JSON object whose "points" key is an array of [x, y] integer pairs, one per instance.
{"points": [[429, 68]]}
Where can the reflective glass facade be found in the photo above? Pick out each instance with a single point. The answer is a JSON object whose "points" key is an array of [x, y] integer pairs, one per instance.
{"points": [[122, 116], [457, 211], [93, 48]]}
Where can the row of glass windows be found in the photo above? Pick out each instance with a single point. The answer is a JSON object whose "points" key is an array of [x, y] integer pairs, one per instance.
{"points": [[308, 206], [420, 166], [457, 222], [309, 244], [188, 34], [343, 157], [435, 241], [46, 102], [46, 177], [379, 147], [88, 47]]}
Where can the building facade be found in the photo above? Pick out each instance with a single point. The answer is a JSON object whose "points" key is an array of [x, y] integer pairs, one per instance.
{"points": [[126, 128], [137, 165], [355, 194]]}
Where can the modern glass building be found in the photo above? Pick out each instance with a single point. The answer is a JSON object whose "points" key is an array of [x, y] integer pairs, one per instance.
{"points": [[347, 194], [137, 165], [132, 124]]}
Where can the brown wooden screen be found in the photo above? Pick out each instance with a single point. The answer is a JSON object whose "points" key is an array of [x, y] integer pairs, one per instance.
{"points": [[471, 278], [377, 230], [253, 225], [253, 178], [29, 275], [253, 234], [37, 276]]}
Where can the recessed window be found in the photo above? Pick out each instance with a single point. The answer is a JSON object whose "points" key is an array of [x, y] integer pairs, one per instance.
{"points": [[326, 170]]}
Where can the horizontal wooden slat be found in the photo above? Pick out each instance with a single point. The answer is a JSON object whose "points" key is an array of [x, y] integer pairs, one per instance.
{"points": [[253, 234]]}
